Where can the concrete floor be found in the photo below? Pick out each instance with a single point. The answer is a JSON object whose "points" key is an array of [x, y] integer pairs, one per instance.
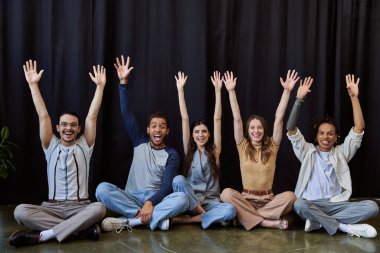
{"points": [[191, 238]]}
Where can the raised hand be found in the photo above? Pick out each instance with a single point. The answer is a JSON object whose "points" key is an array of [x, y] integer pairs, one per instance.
{"points": [[352, 86], [216, 80], [30, 71], [180, 80], [123, 69], [99, 77], [291, 79], [304, 87], [229, 80]]}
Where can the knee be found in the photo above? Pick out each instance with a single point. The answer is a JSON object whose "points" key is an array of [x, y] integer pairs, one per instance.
{"points": [[20, 213], [300, 205], [102, 190], [226, 195], [290, 196], [178, 180], [231, 210], [372, 208], [98, 210]]}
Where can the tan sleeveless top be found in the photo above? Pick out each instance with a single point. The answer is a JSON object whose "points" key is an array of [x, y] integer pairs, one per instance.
{"points": [[257, 175]]}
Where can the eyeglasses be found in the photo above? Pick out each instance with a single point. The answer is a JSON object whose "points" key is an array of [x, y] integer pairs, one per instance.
{"points": [[65, 124]]}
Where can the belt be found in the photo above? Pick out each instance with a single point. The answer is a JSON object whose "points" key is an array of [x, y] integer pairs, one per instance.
{"points": [[68, 200], [258, 193]]}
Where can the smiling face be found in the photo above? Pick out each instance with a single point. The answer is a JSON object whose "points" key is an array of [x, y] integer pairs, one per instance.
{"points": [[68, 129], [201, 135], [326, 137], [157, 130], [256, 131]]}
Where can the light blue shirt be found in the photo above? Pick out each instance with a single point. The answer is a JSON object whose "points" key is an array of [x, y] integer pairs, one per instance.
{"points": [[323, 182]]}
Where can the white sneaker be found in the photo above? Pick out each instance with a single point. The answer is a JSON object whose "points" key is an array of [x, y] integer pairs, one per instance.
{"points": [[361, 230], [115, 224], [310, 225], [164, 224]]}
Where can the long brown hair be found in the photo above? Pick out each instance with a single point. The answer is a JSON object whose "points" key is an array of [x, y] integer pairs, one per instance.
{"points": [[192, 148], [250, 151]]}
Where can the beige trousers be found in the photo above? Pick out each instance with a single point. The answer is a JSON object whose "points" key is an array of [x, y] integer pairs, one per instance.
{"points": [[65, 218], [253, 209]]}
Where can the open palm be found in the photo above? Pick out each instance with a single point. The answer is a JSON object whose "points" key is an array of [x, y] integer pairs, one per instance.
{"points": [[30, 71], [216, 80], [229, 80], [291, 79], [123, 68]]}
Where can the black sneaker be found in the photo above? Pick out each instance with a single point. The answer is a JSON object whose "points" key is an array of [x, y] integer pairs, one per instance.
{"points": [[92, 233], [22, 238]]}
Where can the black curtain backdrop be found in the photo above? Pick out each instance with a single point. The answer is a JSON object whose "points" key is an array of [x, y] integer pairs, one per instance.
{"points": [[258, 40]]}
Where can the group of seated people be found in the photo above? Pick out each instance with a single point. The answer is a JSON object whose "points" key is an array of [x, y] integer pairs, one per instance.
{"points": [[158, 194]]}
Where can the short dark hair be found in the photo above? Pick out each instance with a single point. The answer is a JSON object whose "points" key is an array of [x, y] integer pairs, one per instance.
{"points": [[72, 113], [160, 115], [317, 122]]}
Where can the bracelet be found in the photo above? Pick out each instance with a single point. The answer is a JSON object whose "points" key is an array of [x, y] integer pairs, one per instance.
{"points": [[35, 93]]}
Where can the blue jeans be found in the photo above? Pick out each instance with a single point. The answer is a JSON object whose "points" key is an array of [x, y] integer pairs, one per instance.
{"points": [[215, 211], [128, 204]]}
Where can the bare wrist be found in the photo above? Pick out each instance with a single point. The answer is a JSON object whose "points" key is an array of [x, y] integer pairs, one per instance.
{"points": [[124, 81]]}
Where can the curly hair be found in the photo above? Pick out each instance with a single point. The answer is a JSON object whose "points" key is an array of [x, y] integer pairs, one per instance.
{"points": [[317, 122], [250, 151], [209, 148]]}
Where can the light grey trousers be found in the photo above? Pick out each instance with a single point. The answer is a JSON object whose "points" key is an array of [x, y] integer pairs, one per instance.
{"points": [[65, 218], [331, 214]]}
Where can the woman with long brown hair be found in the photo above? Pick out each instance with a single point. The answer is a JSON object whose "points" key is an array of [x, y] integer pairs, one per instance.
{"points": [[256, 205], [200, 179]]}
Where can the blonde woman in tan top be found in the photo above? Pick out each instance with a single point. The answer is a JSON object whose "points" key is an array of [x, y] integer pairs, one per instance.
{"points": [[256, 205]]}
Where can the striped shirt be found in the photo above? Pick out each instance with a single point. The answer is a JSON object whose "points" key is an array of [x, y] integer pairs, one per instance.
{"points": [[68, 169]]}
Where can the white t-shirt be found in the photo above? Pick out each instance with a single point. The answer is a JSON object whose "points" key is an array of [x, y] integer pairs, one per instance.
{"points": [[323, 182]]}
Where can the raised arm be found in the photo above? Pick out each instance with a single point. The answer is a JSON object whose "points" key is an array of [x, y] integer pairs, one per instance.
{"points": [[288, 85], [181, 81], [353, 92], [135, 133], [99, 78], [230, 83], [302, 91], [217, 82], [32, 77]]}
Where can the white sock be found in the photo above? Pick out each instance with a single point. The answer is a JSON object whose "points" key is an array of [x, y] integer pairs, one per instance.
{"points": [[47, 235], [343, 227], [134, 222]]}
